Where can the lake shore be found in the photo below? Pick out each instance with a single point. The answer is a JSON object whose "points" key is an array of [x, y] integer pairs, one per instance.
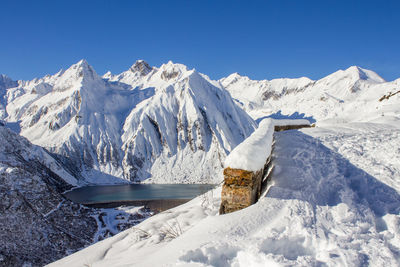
{"points": [[155, 205]]}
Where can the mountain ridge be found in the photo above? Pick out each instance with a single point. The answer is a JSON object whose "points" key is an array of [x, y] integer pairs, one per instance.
{"points": [[135, 126], [148, 121]]}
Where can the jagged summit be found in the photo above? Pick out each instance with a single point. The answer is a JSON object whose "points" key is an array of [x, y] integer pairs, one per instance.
{"points": [[82, 65], [7, 82], [143, 123], [142, 67], [172, 70], [147, 120], [80, 70]]}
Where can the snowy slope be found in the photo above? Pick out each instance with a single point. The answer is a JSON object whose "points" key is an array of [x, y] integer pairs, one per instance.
{"points": [[165, 125], [346, 95], [334, 200]]}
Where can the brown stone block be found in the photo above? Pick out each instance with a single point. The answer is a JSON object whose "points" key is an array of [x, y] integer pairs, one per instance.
{"points": [[238, 195], [279, 128]]}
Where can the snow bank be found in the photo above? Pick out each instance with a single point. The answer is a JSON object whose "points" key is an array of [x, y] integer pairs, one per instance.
{"points": [[253, 152]]}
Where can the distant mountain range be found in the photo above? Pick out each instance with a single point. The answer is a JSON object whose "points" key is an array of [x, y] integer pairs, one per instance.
{"points": [[349, 95]]}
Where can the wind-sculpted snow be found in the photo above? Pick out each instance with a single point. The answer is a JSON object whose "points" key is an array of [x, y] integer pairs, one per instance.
{"points": [[166, 125], [325, 206]]}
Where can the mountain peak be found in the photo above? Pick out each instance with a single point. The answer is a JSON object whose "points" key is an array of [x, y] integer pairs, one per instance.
{"points": [[7, 82], [232, 78], [82, 69], [172, 70], [364, 74], [142, 67], [107, 75]]}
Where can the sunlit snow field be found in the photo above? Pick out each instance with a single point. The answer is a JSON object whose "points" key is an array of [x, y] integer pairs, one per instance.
{"points": [[333, 199]]}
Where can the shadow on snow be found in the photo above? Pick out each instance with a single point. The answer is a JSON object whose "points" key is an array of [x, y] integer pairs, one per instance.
{"points": [[307, 170]]}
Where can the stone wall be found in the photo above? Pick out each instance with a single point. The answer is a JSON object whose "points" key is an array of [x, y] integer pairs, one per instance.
{"points": [[242, 188], [279, 128]]}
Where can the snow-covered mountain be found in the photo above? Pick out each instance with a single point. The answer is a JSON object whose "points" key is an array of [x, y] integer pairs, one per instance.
{"points": [[346, 95], [5, 83], [166, 124], [171, 124]]}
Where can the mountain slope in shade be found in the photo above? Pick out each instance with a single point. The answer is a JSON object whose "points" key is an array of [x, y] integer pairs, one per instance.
{"points": [[346, 95], [38, 224], [166, 124], [5, 83]]}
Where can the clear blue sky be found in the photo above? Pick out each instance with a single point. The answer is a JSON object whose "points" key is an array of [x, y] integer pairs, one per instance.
{"points": [[260, 39]]}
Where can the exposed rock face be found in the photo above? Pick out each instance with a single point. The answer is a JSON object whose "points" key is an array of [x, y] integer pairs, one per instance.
{"points": [[142, 67], [279, 128], [241, 189], [37, 224]]}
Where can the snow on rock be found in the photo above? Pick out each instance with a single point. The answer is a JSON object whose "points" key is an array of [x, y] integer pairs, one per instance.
{"points": [[330, 202], [287, 122], [252, 153], [5, 83], [157, 125]]}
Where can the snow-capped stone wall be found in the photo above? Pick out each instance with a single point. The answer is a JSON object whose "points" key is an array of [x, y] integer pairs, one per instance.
{"points": [[247, 165]]}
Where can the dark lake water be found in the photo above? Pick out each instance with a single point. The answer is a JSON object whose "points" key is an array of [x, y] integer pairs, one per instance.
{"points": [[135, 192]]}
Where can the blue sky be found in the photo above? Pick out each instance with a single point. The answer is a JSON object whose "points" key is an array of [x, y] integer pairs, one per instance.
{"points": [[260, 39]]}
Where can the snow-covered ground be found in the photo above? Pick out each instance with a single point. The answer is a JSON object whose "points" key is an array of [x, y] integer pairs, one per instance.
{"points": [[333, 200]]}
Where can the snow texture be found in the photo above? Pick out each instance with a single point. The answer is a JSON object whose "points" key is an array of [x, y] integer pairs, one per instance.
{"points": [[253, 152], [155, 125], [333, 200], [287, 122]]}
